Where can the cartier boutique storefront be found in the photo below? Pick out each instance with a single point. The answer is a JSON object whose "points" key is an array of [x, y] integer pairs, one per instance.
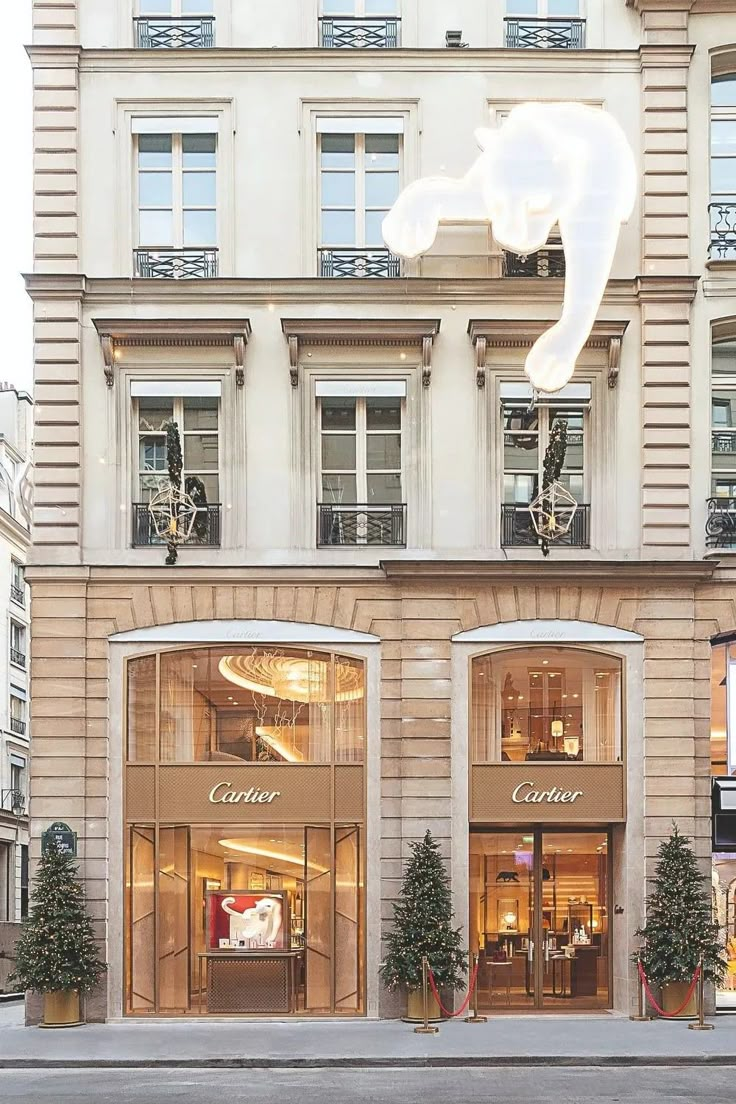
{"points": [[244, 801], [547, 806]]}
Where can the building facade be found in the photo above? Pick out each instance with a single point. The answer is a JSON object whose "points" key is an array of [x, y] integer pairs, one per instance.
{"points": [[361, 639], [16, 423]]}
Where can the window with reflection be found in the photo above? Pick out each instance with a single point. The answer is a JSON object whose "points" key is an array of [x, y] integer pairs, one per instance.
{"points": [[272, 705], [723, 168], [554, 704]]}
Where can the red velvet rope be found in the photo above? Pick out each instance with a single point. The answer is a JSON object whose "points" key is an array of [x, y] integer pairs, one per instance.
{"points": [[465, 1003], [652, 1001]]}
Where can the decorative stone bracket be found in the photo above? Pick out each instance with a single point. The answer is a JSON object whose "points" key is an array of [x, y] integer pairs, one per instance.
{"points": [[360, 331], [116, 334], [521, 334]]}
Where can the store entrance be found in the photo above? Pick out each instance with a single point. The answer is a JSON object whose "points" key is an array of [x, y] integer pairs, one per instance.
{"points": [[539, 918]]}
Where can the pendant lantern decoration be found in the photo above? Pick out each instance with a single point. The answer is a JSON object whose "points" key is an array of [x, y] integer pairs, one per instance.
{"points": [[554, 508], [173, 512]]}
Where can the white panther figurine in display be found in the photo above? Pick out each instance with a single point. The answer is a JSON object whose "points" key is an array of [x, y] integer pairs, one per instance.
{"points": [[261, 923], [547, 163]]}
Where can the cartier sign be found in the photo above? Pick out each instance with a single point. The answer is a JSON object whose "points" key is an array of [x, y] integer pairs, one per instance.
{"points": [[547, 793], [224, 792], [527, 792]]}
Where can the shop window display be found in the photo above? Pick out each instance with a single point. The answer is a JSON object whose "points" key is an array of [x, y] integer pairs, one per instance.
{"points": [[549, 704]]}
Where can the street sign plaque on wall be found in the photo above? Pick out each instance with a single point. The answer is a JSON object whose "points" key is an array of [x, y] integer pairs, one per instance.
{"points": [[62, 835]]}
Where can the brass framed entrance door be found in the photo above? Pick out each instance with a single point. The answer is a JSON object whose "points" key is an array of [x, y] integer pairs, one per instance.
{"points": [[539, 918]]}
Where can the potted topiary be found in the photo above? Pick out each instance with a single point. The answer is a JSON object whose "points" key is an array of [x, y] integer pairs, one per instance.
{"points": [[56, 953], [680, 931], [423, 926]]}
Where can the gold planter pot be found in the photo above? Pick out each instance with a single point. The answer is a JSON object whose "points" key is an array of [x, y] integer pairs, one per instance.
{"points": [[673, 994], [61, 1009], [415, 1007]]}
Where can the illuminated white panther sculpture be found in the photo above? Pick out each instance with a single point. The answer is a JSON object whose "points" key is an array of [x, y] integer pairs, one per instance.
{"points": [[547, 163]]}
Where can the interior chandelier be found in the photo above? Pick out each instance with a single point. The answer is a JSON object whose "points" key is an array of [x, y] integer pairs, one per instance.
{"points": [[292, 678]]}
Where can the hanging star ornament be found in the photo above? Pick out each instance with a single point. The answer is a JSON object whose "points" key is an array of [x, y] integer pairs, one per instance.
{"points": [[173, 513], [552, 512]]}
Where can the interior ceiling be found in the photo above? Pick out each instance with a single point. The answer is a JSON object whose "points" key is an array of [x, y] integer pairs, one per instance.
{"points": [[572, 843]]}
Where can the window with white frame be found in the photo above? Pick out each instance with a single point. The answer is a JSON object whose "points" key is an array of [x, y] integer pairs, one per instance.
{"points": [[723, 168], [360, 461], [349, 24], [176, 190], [545, 24], [543, 9], [526, 434], [175, 7], [18, 774], [723, 421], [17, 710], [359, 181], [198, 420], [17, 644], [17, 582], [360, 7]]}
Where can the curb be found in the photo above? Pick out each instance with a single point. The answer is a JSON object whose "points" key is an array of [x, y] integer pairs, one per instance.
{"points": [[490, 1062]]}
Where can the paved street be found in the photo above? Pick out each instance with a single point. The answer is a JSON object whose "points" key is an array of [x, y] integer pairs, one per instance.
{"points": [[491, 1086]]}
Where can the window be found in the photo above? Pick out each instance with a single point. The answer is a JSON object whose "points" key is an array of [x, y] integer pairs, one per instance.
{"points": [[24, 866], [723, 169], [177, 190], [17, 710], [198, 421], [723, 421], [18, 774], [359, 182], [360, 24], [5, 881], [525, 439], [546, 704], [545, 24], [175, 7], [17, 644], [175, 24], [17, 583]]}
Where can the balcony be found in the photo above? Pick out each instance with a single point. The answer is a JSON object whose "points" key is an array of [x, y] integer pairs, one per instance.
{"points": [[348, 32], [550, 33], [206, 532], [378, 263], [176, 264], [720, 525], [18, 594], [517, 529], [17, 726], [18, 658], [175, 32], [722, 231], [351, 525], [546, 262]]}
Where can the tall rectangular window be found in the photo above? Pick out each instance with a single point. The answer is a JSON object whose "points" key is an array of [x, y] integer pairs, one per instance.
{"points": [[177, 190], [17, 644], [723, 421], [198, 420], [17, 710], [723, 168], [17, 583], [359, 185], [24, 878], [5, 881], [525, 438], [175, 7], [361, 450]]}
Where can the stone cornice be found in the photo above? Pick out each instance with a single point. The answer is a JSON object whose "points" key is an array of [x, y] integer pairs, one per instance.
{"points": [[360, 331], [656, 55], [55, 57], [567, 572], [667, 289], [99, 292], [522, 333], [170, 332], [660, 5]]}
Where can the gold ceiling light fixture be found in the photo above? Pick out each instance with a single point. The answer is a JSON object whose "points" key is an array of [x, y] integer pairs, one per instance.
{"points": [[292, 678]]}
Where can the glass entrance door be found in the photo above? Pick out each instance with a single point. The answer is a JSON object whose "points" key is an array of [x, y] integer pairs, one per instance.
{"points": [[539, 918]]}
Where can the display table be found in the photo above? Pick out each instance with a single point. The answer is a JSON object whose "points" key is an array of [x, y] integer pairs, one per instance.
{"points": [[256, 982], [499, 973], [576, 976]]}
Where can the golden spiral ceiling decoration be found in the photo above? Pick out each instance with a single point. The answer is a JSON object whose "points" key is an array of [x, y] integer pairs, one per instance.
{"points": [[293, 678]]}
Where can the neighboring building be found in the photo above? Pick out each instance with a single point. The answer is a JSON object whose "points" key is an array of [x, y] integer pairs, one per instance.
{"points": [[362, 640], [16, 421]]}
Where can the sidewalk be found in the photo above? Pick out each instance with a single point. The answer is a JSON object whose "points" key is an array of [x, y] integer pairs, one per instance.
{"points": [[520, 1040]]}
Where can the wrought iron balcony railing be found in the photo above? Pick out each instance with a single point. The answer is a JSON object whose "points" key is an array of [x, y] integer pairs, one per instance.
{"points": [[722, 443], [18, 658], [17, 726], [720, 524], [379, 263], [206, 532], [176, 264], [550, 33], [517, 528], [546, 262], [18, 594], [351, 32], [175, 32], [722, 231], [355, 524]]}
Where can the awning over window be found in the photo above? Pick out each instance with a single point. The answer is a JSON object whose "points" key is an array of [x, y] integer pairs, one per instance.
{"points": [[327, 124], [520, 394], [376, 388], [175, 389], [160, 124]]}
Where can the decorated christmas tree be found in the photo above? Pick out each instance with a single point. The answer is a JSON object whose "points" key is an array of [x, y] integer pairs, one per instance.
{"points": [[680, 930], [56, 949], [423, 925]]}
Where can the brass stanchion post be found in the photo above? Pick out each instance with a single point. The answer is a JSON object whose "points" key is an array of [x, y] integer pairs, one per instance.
{"points": [[426, 1028], [641, 1015], [474, 1017], [701, 1025]]}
